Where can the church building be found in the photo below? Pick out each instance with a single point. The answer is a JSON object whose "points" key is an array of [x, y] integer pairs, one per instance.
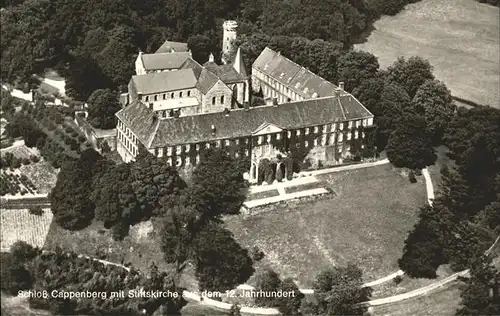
{"points": [[177, 112]]}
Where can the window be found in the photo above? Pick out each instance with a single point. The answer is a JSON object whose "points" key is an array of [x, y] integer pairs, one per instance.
{"points": [[188, 161], [189, 93], [160, 152], [178, 149], [172, 95], [316, 129], [325, 129], [341, 126], [339, 149], [207, 145], [237, 142], [370, 121], [147, 98], [350, 124], [156, 97], [197, 147], [180, 94], [298, 132], [306, 132], [315, 142], [169, 151], [236, 155], [349, 136], [332, 139], [170, 161], [260, 140], [222, 100], [178, 163], [358, 124], [227, 143], [278, 136], [213, 101], [306, 143], [340, 137], [356, 134], [323, 140], [333, 127], [268, 138], [363, 134], [289, 134], [164, 96], [246, 152], [188, 148]]}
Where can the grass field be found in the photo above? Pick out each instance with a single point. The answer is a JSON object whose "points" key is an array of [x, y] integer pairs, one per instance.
{"points": [[441, 303], [460, 38], [21, 225], [365, 221]]}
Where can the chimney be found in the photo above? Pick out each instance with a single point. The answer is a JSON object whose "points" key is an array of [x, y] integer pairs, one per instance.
{"points": [[190, 53], [211, 58], [341, 85]]}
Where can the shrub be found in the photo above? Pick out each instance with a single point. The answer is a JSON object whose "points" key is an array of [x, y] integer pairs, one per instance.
{"points": [[398, 279], [81, 139], [26, 161], [257, 254], [411, 177], [36, 210], [418, 172], [15, 163], [68, 129], [34, 158]]}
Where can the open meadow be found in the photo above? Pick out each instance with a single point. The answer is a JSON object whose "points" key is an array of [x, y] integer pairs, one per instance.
{"points": [[461, 39], [365, 220]]}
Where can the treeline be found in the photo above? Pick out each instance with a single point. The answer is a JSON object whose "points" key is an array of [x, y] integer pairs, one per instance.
{"points": [[26, 268], [492, 2], [93, 44]]}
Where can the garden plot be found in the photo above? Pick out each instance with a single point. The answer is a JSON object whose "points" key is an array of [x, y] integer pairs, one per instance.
{"points": [[20, 224]]}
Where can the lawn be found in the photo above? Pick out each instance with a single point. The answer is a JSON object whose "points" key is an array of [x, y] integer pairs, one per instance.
{"points": [[444, 302], [460, 38], [365, 221], [19, 224]]}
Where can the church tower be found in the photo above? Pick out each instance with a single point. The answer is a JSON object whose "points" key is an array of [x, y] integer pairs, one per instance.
{"points": [[228, 37]]}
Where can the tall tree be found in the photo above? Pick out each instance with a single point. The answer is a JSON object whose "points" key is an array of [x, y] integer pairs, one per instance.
{"points": [[409, 145], [267, 281], [410, 73], [355, 67], [433, 101], [339, 291], [103, 104], [290, 305], [217, 185], [481, 295]]}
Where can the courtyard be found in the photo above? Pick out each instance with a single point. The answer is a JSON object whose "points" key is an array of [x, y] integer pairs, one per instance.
{"points": [[364, 220]]}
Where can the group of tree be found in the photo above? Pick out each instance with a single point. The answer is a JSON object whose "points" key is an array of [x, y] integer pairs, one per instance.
{"points": [[26, 268], [337, 291]]}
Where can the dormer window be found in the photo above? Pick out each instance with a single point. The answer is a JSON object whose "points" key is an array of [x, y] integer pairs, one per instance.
{"points": [[189, 93], [156, 97], [297, 85], [306, 90], [172, 95], [147, 98], [281, 76], [164, 96], [180, 94]]}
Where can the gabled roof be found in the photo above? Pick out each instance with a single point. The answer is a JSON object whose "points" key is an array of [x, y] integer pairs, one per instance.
{"points": [[206, 81], [226, 73], [190, 63], [238, 64], [297, 78], [164, 60], [164, 81], [239, 123], [168, 47]]}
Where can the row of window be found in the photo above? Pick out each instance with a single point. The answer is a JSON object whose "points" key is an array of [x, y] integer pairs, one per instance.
{"points": [[289, 93], [214, 100], [166, 96], [130, 145]]}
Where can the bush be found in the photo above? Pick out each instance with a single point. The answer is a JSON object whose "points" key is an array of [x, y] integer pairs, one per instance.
{"points": [[15, 163], [34, 158], [411, 177], [398, 279], [257, 254], [26, 161], [81, 139], [36, 210]]}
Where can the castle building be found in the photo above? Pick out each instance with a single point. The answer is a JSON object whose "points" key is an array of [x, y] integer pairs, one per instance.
{"points": [[228, 37], [177, 114]]}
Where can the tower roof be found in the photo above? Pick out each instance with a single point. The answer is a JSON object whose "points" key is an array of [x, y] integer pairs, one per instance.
{"points": [[238, 64]]}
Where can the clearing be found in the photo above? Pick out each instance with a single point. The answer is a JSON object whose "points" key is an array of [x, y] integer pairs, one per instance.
{"points": [[460, 38], [365, 220]]}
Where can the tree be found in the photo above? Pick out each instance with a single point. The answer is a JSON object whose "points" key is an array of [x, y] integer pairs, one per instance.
{"points": [[103, 104], [290, 305], [217, 185], [14, 276], [408, 145], [201, 46], [235, 310], [481, 293], [410, 73], [267, 281], [433, 101], [339, 291], [355, 67], [22, 252], [221, 263], [114, 197]]}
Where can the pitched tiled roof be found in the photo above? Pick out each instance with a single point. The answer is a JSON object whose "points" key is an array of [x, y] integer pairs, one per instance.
{"points": [[193, 64], [164, 60], [226, 73], [206, 81], [164, 81], [297, 78], [140, 120], [241, 123], [169, 46]]}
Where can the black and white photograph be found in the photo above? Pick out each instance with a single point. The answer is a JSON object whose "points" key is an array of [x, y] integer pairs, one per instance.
{"points": [[250, 157]]}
